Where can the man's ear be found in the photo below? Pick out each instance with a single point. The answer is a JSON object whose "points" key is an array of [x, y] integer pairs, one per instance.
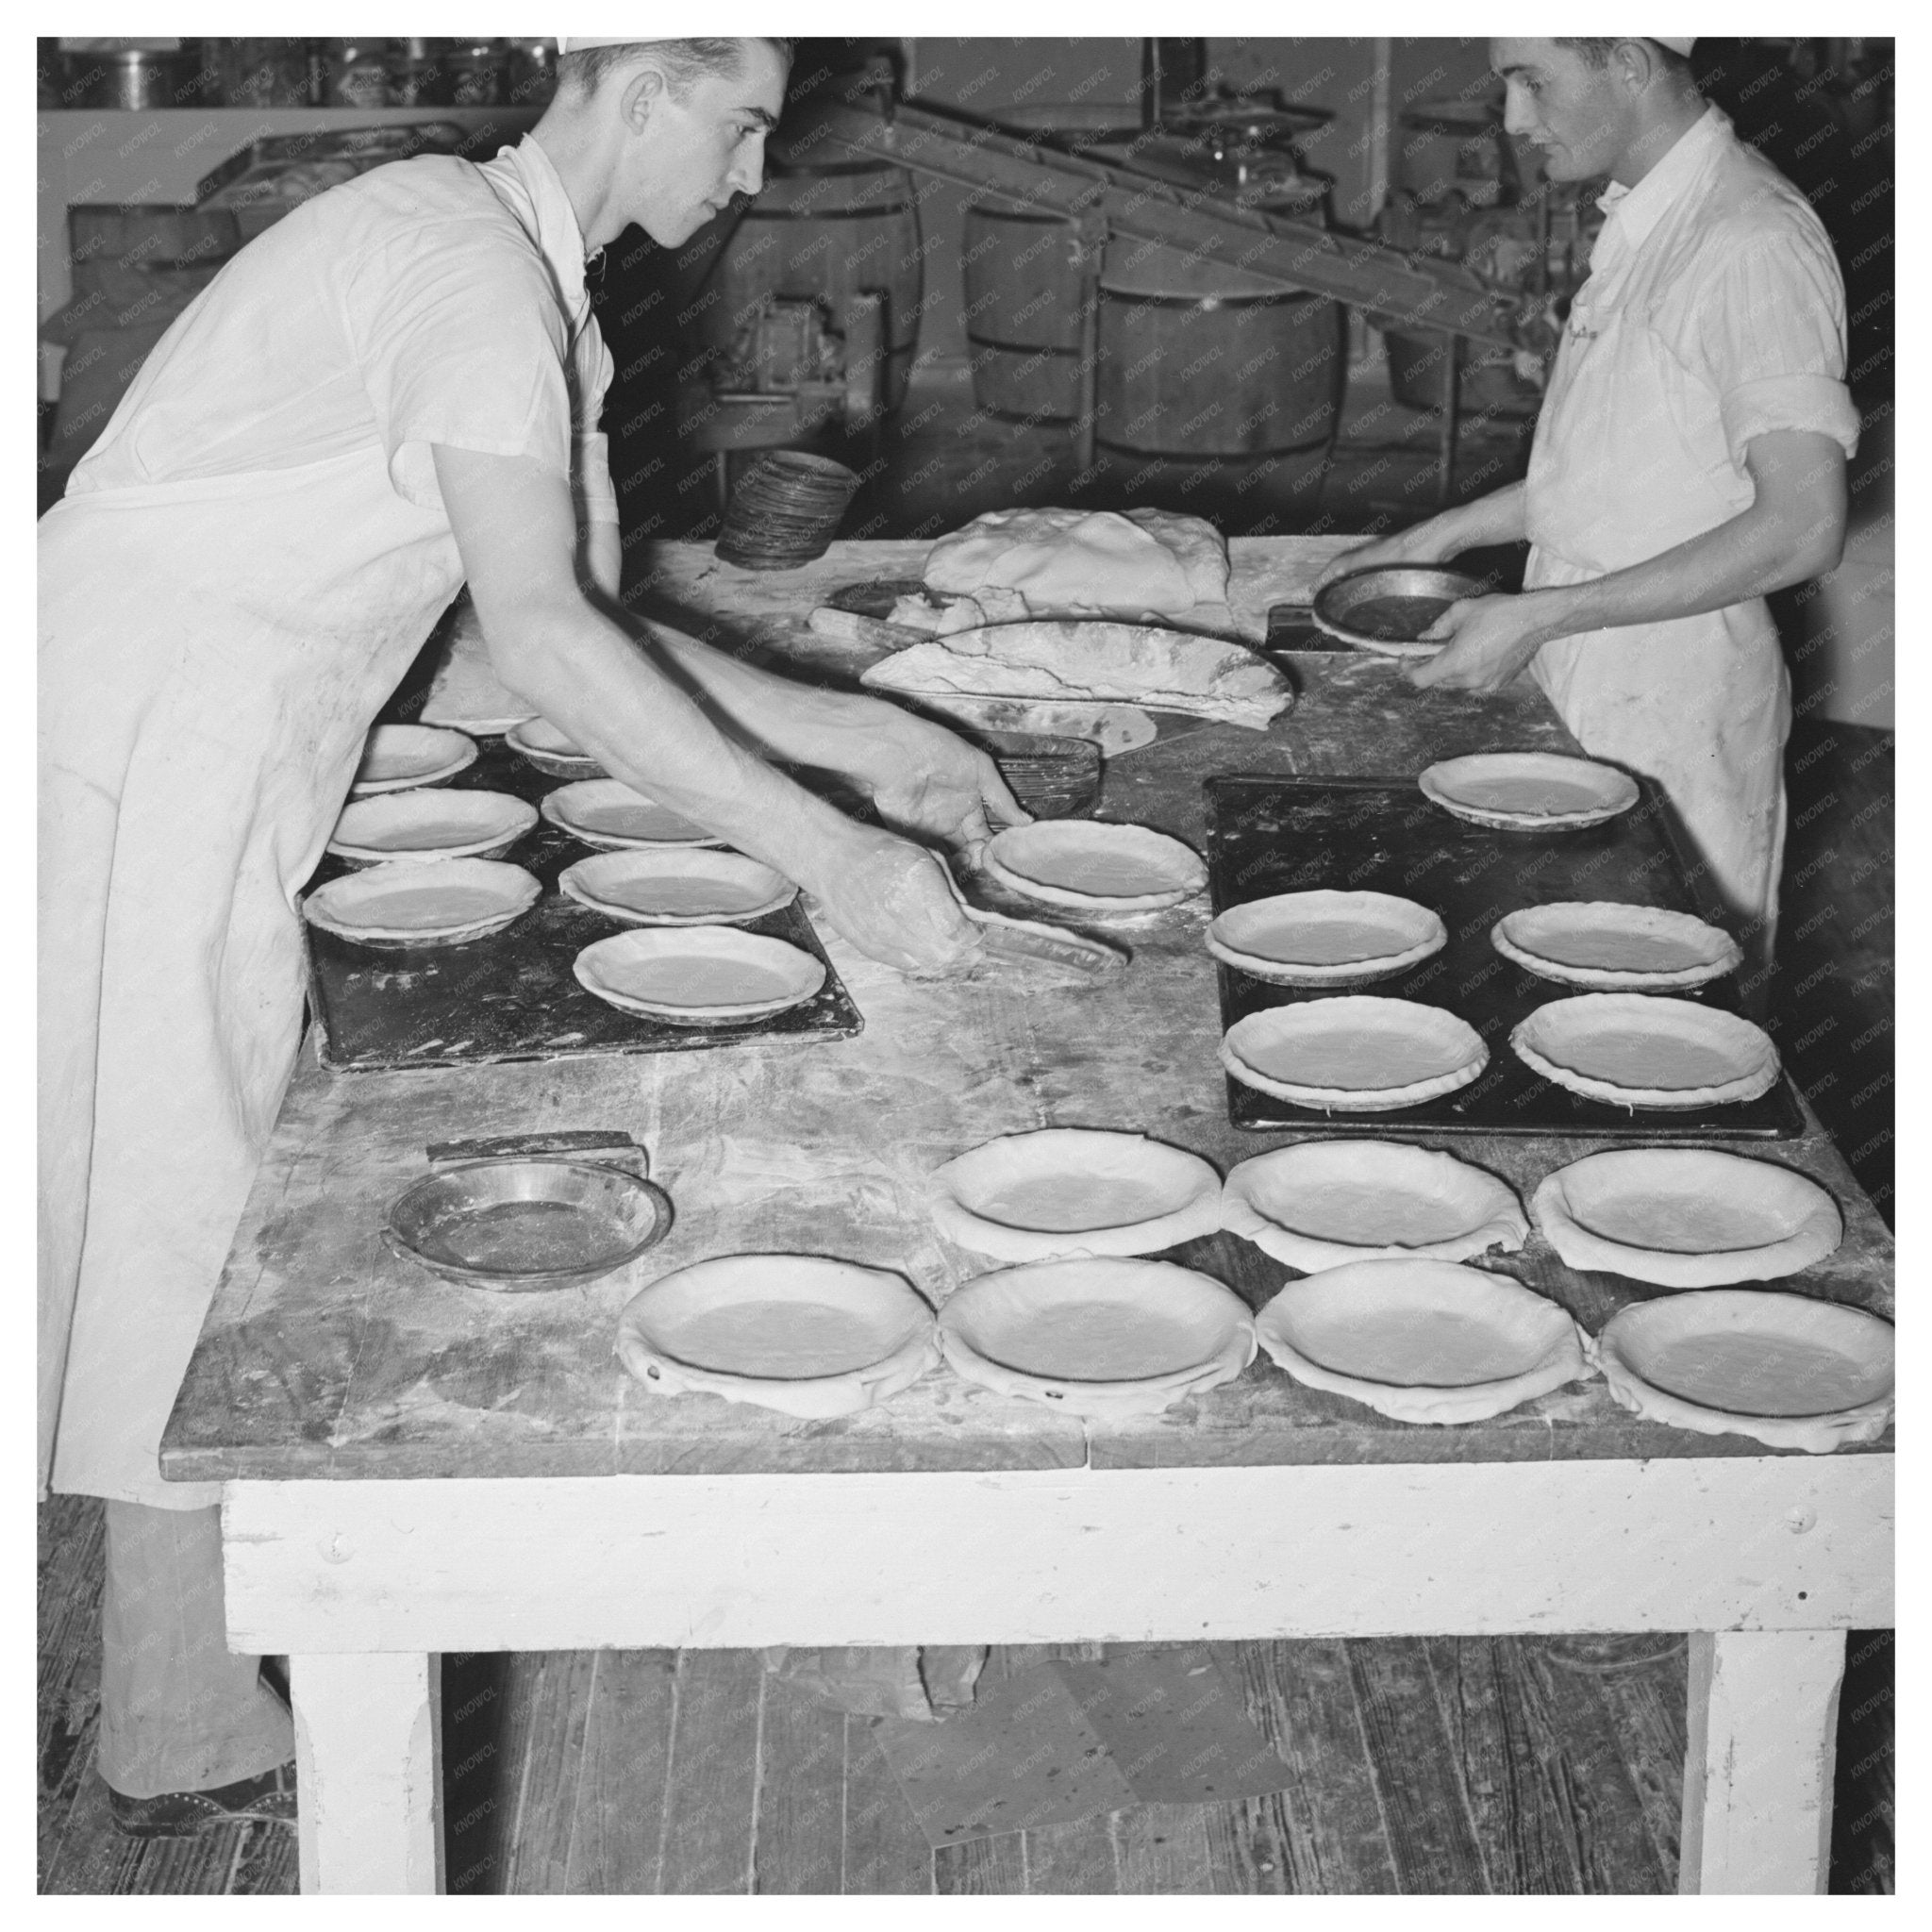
{"points": [[1636, 64], [643, 94]]}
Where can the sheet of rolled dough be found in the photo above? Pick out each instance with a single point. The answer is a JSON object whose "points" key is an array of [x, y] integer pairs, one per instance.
{"points": [[1090, 564]]}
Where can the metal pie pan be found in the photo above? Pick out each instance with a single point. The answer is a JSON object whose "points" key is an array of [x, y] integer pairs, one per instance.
{"points": [[680, 886], [515, 1226], [1686, 1217], [1387, 610], [399, 757], [538, 742], [1125, 868], [1278, 939], [410, 902], [608, 814], [1636, 1049], [430, 826], [1608, 946], [1290, 1052], [1528, 791], [657, 971]]}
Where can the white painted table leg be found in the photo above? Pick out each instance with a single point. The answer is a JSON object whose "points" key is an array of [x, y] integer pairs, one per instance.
{"points": [[368, 1776], [1763, 1739]]}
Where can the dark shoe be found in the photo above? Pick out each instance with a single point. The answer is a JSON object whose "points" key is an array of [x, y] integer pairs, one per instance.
{"points": [[268, 1799]]}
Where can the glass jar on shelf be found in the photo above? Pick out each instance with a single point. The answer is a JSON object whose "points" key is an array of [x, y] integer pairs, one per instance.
{"points": [[531, 70], [262, 73], [355, 73], [415, 74], [475, 73]]}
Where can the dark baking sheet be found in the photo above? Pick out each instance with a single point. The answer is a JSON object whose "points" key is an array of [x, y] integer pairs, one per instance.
{"points": [[1285, 835], [511, 995]]}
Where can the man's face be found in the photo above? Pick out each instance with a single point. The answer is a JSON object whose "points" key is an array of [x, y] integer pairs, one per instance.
{"points": [[692, 155], [1578, 115]]}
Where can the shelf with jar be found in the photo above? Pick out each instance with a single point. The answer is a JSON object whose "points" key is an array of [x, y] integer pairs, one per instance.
{"points": [[149, 74]]}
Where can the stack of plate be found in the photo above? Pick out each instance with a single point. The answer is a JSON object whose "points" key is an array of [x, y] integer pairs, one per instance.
{"points": [[1686, 1217], [1422, 1342], [785, 510], [540, 744], [1353, 1051], [1097, 1338], [685, 886], [1074, 1191], [1528, 791], [1608, 946], [700, 975], [1783, 1369], [430, 826], [1644, 1050], [1321, 1204], [407, 903], [610, 815], [1094, 866], [804, 1334], [1317, 938], [397, 757]]}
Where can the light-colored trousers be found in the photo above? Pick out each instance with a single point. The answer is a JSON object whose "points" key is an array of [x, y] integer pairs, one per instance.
{"points": [[180, 1712]]}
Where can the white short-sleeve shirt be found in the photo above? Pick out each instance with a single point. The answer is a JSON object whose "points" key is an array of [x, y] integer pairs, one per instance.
{"points": [[428, 301]]}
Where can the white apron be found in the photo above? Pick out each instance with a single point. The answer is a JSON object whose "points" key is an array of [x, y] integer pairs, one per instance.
{"points": [[213, 655], [1700, 704]]}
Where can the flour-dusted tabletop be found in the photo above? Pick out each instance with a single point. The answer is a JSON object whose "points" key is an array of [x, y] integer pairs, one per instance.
{"points": [[415, 1466]]}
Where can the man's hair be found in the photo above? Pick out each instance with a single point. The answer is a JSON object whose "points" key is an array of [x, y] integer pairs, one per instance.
{"points": [[685, 62], [1596, 53]]}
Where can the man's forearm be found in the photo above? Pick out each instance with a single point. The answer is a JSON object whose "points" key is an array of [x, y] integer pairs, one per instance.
{"points": [[1500, 517]]}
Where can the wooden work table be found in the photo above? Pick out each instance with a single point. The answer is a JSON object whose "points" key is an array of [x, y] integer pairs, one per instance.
{"points": [[414, 1467]]}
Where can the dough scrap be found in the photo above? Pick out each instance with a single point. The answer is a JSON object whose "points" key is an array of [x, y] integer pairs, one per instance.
{"points": [[1686, 1217], [1090, 564], [1321, 1204], [1068, 661]]}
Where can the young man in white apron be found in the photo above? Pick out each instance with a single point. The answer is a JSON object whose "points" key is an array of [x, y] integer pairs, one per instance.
{"points": [[393, 389], [1690, 456]]}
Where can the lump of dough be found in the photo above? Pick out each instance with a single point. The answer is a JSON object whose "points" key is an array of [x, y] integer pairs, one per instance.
{"points": [[1078, 563]]}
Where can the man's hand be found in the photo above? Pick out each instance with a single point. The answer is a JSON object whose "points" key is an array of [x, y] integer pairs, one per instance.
{"points": [[924, 779], [894, 902], [1425, 543], [1492, 639]]}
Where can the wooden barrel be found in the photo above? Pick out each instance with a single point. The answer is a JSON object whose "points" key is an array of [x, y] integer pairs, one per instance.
{"points": [[1197, 361], [1022, 312], [832, 231]]}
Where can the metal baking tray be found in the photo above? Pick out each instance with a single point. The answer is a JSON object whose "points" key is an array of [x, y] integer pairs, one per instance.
{"points": [[511, 995], [1284, 835]]}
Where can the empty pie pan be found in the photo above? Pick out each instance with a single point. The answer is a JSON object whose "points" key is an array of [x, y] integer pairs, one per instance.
{"points": [[519, 1225], [699, 976], [1095, 865], [1097, 1336], [1302, 1052], [427, 825], [1528, 791], [1647, 1050], [807, 1335], [1387, 610], [1317, 938], [1686, 1217], [1608, 946], [405, 902], [396, 758], [538, 742], [1074, 1191], [1322, 1203], [677, 886], [608, 814], [1422, 1342], [1785, 1370]]}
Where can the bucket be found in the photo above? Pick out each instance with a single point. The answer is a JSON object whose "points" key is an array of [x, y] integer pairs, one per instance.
{"points": [[1198, 360]]}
